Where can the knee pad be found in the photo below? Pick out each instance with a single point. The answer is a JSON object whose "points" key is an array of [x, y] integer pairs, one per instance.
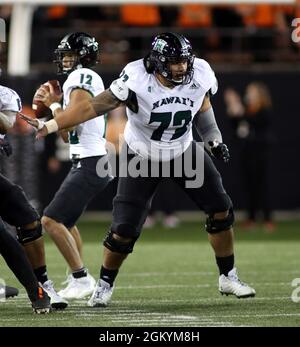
{"points": [[119, 246], [214, 226], [29, 235]]}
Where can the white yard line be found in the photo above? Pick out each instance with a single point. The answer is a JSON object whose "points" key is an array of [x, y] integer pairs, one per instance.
{"points": [[144, 318]]}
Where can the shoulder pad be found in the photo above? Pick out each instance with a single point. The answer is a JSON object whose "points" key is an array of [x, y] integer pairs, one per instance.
{"points": [[119, 89]]}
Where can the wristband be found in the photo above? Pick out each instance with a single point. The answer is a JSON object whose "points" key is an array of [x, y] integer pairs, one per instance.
{"points": [[53, 107], [51, 126]]}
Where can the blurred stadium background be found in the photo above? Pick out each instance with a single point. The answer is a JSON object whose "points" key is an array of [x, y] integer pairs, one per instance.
{"points": [[244, 41]]}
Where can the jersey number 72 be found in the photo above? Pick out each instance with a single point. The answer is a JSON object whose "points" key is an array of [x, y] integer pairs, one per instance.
{"points": [[165, 118]]}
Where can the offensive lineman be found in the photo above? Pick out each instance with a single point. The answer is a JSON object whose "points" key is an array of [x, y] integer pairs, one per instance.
{"points": [[163, 93]]}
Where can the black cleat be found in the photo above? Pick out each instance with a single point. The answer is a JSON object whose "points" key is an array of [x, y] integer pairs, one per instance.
{"points": [[11, 292], [41, 302]]}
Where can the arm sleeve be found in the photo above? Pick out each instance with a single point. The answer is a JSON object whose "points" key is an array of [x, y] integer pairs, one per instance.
{"points": [[207, 127]]}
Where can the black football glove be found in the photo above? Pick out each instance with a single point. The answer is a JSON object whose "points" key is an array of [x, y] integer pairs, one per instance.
{"points": [[219, 150], [5, 147]]}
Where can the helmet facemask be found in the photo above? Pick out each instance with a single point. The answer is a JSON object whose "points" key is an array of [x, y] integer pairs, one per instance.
{"points": [[58, 60], [165, 70], [167, 49]]}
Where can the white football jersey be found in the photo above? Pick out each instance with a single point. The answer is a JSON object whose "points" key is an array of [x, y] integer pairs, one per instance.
{"points": [[88, 138], [9, 101], [162, 125]]}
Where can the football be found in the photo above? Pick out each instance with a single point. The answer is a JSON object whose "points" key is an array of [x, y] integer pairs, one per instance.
{"points": [[40, 110]]}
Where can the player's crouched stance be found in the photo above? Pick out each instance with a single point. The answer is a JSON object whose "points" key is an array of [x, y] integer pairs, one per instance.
{"points": [[163, 93], [175, 85]]}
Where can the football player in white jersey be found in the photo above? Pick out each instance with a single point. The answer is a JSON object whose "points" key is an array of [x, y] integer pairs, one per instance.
{"points": [[75, 55], [163, 93]]}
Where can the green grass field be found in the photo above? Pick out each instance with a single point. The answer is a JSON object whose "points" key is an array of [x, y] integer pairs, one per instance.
{"points": [[171, 281]]}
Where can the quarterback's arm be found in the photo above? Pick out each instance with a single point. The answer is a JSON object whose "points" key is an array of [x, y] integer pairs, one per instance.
{"points": [[206, 124], [7, 119]]}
